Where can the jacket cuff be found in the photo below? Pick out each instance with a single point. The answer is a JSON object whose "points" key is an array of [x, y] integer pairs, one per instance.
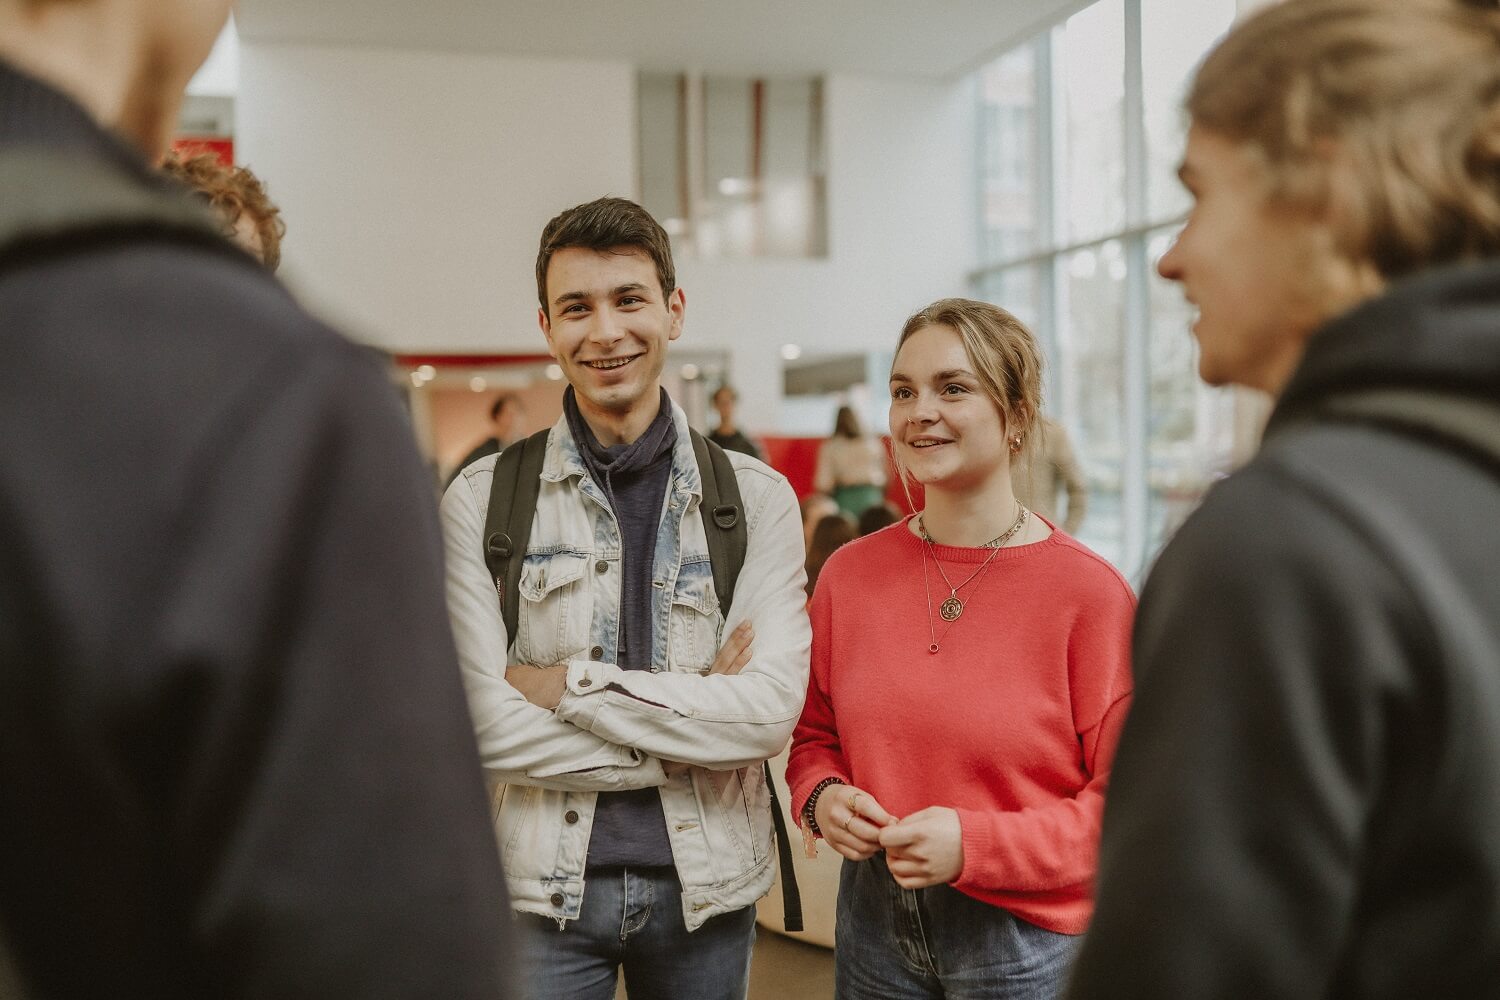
{"points": [[585, 679]]}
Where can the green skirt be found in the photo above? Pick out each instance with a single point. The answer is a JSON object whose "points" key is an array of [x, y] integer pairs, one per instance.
{"points": [[855, 500]]}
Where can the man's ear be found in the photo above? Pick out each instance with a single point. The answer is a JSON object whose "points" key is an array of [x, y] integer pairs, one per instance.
{"points": [[677, 306], [546, 327]]}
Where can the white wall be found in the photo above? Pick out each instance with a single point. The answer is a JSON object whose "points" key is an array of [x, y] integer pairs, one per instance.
{"points": [[415, 186], [901, 233]]}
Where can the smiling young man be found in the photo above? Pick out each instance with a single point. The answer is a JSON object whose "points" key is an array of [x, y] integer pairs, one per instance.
{"points": [[624, 743]]}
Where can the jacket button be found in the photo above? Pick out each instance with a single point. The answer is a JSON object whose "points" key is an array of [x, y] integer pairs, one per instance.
{"points": [[557, 899], [571, 816], [602, 566], [597, 653]]}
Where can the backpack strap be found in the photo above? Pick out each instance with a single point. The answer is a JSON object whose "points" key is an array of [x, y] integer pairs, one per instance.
{"points": [[723, 517], [514, 488], [51, 199], [723, 511]]}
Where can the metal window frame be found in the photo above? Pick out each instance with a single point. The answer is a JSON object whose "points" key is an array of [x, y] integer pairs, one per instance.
{"points": [[1048, 255]]}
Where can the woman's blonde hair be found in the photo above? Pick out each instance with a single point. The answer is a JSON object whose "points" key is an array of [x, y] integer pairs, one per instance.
{"points": [[1387, 112], [1004, 354]]}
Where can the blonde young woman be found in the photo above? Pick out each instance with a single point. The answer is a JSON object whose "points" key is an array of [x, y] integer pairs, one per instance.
{"points": [[969, 677]]}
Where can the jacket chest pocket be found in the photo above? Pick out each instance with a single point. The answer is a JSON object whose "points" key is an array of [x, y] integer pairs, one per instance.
{"points": [[695, 618], [553, 623]]}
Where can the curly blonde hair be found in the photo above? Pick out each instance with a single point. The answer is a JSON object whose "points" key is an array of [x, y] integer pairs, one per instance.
{"points": [[232, 192]]}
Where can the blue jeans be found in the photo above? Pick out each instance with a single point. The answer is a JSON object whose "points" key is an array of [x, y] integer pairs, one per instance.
{"points": [[632, 917], [892, 943]]}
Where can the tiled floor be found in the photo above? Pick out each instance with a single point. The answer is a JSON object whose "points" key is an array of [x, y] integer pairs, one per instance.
{"points": [[784, 969]]}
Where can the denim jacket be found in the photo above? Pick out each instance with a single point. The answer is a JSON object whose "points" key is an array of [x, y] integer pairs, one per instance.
{"points": [[615, 728]]}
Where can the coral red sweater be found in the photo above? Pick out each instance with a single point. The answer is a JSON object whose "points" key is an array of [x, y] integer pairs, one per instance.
{"points": [[1013, 722]]}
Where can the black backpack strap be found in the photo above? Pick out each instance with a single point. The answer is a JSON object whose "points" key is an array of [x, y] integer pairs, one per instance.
{"points": [[514, 488], [723, 517], [723, 511]]}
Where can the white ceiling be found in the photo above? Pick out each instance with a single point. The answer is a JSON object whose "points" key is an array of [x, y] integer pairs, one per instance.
{"points": [[939, 39]]}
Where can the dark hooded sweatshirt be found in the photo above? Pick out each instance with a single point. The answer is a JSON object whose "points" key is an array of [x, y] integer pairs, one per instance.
{"points": [[1306, 800], [235, 755]]}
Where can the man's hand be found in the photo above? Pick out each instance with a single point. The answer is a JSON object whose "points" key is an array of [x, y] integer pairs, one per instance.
{"points": [[735, 652], [926, 848], [851, 820], [542, 686], [733, 656]]}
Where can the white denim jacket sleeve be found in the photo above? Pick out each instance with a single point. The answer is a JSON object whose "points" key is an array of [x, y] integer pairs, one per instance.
{"points": [[718, 721], [519, 743]]}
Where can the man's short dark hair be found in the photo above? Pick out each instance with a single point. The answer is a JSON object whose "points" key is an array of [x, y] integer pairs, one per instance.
{"points": [[501, 402], [603, 225]]}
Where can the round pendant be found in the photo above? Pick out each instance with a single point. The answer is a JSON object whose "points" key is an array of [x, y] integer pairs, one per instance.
{"points": [[951, 609], [933, 648]]}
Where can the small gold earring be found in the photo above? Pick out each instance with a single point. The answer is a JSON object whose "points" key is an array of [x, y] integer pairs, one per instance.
{"points": [[1015, 443]]}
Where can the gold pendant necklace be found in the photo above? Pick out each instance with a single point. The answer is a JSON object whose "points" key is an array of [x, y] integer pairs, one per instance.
{"points": [[951, 609]]}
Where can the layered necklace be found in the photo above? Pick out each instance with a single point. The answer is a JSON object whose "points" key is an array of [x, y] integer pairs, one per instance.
{"points": [[953, 607]]}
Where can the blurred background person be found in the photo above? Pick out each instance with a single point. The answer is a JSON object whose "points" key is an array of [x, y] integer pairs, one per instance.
{"points": [[728, 434], [506, 417], [882, 515], [1306, 800], [851, 465], [829, 534], [1049, 468], [237, 196], [815, 507]]}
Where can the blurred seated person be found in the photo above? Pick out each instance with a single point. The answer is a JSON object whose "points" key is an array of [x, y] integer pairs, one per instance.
{"points": [[851, 465], [251, 220], [1050, 468], [815, 507], [505, 419], [828, 535], [727, 435], [874, 518]]}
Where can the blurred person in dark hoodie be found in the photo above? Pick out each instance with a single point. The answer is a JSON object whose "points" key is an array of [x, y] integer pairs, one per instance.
{"points": [[1306, 799], [235, 755]]}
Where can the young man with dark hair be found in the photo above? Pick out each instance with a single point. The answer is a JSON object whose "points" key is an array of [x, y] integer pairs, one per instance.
{"points": [[235, 757], [625, 750]]}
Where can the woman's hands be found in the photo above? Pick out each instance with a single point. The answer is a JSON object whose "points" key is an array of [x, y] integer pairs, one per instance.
{"points": [[850, 820], [926, 848]]}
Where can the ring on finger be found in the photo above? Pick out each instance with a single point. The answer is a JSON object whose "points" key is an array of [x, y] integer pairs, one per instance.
{"points": [[854, 802], [848, 821]]}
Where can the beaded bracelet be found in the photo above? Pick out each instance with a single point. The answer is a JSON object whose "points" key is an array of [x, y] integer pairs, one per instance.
{"points": [[809, 810]]}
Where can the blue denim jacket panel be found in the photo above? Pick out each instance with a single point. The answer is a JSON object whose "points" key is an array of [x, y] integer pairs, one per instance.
{"points": [[679, 563]]}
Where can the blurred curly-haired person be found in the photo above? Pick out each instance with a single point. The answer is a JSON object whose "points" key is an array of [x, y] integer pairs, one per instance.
{"points": [[253, 220]]}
